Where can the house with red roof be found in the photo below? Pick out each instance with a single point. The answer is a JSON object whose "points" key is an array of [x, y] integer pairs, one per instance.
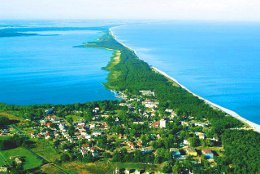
{"points": [[131, 145], [207, 153], [48, 124], [155, 124]]}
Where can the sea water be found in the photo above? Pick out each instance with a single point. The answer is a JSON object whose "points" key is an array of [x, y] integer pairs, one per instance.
{"points": [[49, 69], [218, 61]]}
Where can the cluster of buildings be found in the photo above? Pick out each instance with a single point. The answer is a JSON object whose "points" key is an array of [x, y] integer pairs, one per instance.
{"points": [[150, 106], [83, 135], [55, 128]]}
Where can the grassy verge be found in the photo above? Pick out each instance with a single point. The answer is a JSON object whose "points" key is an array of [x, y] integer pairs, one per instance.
{"points": [[114, 60], [114, 74]]}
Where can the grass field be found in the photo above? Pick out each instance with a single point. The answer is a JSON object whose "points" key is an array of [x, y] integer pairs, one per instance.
{"points": [[75, 118], [31, 161], [50, 169], [10, 116], [76, 167], [45, 150]]}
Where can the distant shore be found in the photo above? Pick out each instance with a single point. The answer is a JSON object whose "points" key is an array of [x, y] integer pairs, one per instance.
{"points": [[252, 125]]}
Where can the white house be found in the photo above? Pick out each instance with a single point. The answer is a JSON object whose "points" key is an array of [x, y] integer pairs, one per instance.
{"points": [[162, 123]]}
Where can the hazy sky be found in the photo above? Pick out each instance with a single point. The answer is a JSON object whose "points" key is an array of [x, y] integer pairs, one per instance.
{"points": [[239, 10]]}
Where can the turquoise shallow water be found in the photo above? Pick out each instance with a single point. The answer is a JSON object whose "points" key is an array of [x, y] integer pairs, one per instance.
{"points": [[47, 68], [220, 62]]}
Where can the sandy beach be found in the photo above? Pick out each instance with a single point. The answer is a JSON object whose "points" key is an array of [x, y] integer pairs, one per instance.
{"points": [[252, 125]]}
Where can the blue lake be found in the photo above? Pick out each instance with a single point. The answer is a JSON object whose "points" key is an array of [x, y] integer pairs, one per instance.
{"points": [[218, 61], [49, 69]]}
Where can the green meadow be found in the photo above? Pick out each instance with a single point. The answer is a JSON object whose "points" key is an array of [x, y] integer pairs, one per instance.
{"points": [[31, 160]]}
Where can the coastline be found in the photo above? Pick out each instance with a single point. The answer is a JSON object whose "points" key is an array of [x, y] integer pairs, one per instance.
{"points": [[254, 126]]}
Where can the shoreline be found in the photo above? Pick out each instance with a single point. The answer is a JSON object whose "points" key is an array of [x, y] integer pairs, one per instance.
{"points": [[253, 125]]}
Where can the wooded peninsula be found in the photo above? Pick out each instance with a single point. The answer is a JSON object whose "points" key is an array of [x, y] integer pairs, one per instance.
{"points": [[156, 126]]}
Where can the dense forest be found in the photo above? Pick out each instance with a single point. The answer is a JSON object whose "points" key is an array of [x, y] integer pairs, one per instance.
{"points": [[242, 151]]}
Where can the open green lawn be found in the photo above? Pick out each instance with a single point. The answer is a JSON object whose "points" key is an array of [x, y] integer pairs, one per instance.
{"points": [[47, 151], [51, 169], [31, 160], [75, 118], [86, 168]]}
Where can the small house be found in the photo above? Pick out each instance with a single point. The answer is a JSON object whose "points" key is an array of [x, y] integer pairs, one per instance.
{"points": [[155, 124], [207, 153], [162, 123], [131, 145], [201, 135]]}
